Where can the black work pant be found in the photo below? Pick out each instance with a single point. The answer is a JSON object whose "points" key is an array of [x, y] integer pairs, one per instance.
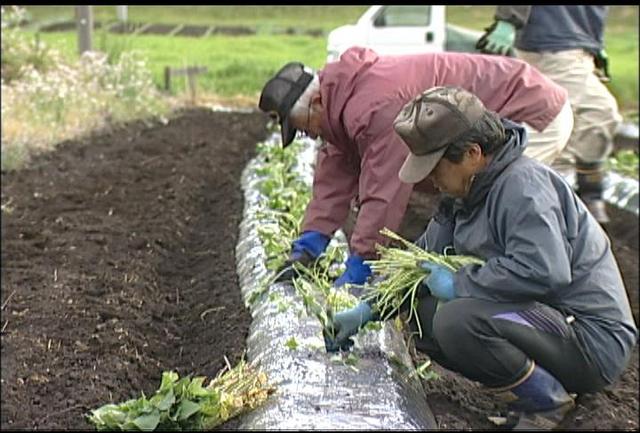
{"points": [[493, 343]]}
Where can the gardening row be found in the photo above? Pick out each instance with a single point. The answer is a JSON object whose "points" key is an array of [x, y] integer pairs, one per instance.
{"points": [[316, 389], [197, 31]]}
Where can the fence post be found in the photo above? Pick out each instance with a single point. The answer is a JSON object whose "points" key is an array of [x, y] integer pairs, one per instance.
{"points": [[121, 13], [167, 78], [191, 72], [84, 18]]}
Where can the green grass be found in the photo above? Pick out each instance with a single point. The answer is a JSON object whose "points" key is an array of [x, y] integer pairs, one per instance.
{"points": [[240, 65], [241, 70], [263, 18]]}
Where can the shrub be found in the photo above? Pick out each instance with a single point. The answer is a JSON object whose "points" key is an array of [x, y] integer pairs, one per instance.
{"points": [[18, 52], [42, 106]]}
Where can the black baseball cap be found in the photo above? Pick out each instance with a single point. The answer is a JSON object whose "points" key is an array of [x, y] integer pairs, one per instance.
{"points": [[281, 92]]}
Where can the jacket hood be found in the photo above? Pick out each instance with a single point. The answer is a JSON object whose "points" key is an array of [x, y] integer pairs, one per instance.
{"points": [[512, 149]]}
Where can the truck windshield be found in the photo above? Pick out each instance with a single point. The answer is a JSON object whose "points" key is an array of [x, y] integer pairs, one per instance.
{"points": [[397, 16]]}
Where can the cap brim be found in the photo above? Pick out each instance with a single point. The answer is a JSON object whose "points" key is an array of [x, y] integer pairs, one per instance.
{"points": [[416, 168], [287, 131]]}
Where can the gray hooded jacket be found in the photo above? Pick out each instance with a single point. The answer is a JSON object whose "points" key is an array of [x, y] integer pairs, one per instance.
{"points": [[539, 243]]}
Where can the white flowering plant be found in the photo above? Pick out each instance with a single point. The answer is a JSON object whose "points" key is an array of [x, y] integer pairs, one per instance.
{"points": [[52, 100]]}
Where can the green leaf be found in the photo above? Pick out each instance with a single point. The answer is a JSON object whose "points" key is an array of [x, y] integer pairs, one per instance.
{"points": [[148, 422], [168, 379], [181, 387], [196, 389], [143, 406], [186, 409], [351, 359], [292, 343], [109, 416], [163, 401], [336, 358], [211, 406], [373, 326]]}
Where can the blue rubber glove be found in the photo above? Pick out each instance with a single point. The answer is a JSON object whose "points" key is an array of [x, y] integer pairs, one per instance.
{"points": [[498, 39], [312, 242], [345, 324], [357, 272], [439, 281], [305, 250]]}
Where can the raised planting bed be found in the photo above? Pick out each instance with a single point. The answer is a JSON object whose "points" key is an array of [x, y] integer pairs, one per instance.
{"points": [[373, 388]]}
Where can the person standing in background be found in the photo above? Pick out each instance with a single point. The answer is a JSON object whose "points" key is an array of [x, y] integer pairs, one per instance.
{"points": [[566, 44]]}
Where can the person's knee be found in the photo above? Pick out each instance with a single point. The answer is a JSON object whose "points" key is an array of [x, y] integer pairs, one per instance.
{"points": [[451, 323]]}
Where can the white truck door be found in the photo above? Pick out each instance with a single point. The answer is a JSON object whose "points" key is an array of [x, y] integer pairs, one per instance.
{"points": [[406, 29]]}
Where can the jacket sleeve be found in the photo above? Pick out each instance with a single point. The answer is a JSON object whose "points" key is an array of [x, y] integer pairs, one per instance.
{"points": [[516, 15], [334, 185], [383, 197], [530, 225]]}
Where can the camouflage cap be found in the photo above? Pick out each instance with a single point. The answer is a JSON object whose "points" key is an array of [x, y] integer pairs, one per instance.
{"points": [[429, 123]]}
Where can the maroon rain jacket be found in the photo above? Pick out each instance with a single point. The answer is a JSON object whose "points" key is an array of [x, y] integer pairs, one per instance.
{"points": [[363, 92]]}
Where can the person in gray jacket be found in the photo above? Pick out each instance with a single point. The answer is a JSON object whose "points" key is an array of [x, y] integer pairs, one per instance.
{"points": [[547, 314], [566, 44]]}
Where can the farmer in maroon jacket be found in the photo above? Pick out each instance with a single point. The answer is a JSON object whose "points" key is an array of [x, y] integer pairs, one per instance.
{"points": [[351, 105]]}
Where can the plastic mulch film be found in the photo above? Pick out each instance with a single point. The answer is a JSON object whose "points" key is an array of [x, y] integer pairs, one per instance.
{"points": [[620, 191], [316, 389]]}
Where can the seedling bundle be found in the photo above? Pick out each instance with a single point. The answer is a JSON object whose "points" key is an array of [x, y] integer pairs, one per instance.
{"points": [[186, 404]]}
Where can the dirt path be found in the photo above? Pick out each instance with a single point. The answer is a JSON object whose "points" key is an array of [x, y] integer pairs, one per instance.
{"points": [[118, 262]]}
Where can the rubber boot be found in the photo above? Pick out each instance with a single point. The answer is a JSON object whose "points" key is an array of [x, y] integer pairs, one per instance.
{"points": [[537, 401], [590, 186]]}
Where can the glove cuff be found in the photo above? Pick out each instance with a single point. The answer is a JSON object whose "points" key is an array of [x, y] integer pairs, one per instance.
{"points": [[375, 314], [504, 25], [355, 261], [312, 242], [357, 271]]}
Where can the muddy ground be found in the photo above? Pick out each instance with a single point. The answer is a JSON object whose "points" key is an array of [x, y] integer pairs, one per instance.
{"points": [[118, 262]]}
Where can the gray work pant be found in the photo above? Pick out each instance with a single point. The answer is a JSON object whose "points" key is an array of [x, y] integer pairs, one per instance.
{"points": [[492, 342]]}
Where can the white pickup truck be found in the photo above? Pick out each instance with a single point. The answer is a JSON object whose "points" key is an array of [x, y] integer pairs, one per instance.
{"points": [[402, 30]]}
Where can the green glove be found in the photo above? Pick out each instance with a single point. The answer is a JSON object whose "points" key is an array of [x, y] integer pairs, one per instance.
{"points": [[601, 61], [498, 39], [345, 324]]}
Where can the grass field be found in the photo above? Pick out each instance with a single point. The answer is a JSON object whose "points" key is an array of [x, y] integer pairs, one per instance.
{"points": [[239, 65]]}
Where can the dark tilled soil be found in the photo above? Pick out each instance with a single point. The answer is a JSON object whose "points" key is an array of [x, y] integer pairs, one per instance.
{"points": [[158, 29], [193, 31], [460, 404], [118, 262]]}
